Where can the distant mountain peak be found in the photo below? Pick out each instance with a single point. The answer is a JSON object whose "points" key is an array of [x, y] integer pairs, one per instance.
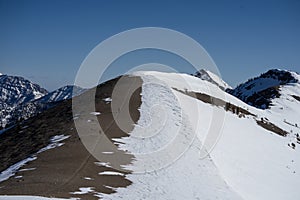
{"points": [[260, 91], [21, 99], [63, 93], [15, 90], [212, 78]]}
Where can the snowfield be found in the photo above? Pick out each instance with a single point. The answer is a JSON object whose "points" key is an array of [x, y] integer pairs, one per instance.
{"points": [[247, 161]]}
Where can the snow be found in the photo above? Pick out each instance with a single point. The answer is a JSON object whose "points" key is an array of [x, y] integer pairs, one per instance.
{"points": [[27, 169], [107, 100], [12, 170], [167, 162], [242, 161], [54, 142], [95, 113], [255, 162], [111, 173], [88, 178], [104, 164], [107, 152], [84, 190], [218, 80], [245, 163]]}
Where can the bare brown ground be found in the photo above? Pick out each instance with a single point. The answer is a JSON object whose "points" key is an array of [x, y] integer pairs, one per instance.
{"points": [[235, 110], [63, 170], [217, 102]]}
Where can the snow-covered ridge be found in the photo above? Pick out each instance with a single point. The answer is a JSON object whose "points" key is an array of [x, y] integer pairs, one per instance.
{"points": [[62, 93], [212, 78], [261, 90], [247, 162], [21, 99]]}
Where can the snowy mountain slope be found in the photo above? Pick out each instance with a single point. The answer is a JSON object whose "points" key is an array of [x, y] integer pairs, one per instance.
{"points": [[15, 91], [60, 94], [178, 163], [195, 141], [254, 162], [212, 78], [260, 90], [21, 99]]}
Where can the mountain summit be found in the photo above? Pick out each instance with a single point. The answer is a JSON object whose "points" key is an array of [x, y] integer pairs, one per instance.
{"points": [[212, 78], [260, 91], [14, 91], [21, 99]]}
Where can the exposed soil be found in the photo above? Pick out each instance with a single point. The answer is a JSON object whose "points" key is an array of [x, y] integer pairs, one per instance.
{"points": [[271, 127], [235, 110], [296, 97], [217, 102], [63, 170]]}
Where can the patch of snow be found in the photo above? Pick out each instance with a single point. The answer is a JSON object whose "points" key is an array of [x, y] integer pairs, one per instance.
{"points": [[107, 100], [28, 169], [83, 190], [95, 113], [107, 152], [88, 178], [54, 142], [104, 164], [111, 173], [12, 170]]}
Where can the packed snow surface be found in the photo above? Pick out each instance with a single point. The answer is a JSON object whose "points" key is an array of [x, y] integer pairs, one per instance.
{"points": [[245, 162]]}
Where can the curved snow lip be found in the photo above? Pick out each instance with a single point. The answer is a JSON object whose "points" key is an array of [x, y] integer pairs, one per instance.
{"points": [[171, 155]]}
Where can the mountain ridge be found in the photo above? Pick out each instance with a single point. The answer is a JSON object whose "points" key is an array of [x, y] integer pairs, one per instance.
{"points": [[21, 99], [261, 90]]}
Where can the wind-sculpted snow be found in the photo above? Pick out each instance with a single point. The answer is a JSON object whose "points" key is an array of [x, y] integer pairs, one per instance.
{"points": [[167, 161], [247, 162]]}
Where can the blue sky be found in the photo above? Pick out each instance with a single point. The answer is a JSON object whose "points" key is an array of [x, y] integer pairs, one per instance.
{"points": [[46, 41]]}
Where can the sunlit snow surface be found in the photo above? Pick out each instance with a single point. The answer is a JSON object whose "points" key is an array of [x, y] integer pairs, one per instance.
{"points": [[167, 162], [248, 162]]}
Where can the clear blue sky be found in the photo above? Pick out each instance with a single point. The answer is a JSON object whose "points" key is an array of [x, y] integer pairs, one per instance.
{"points": [[46, 41]]}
